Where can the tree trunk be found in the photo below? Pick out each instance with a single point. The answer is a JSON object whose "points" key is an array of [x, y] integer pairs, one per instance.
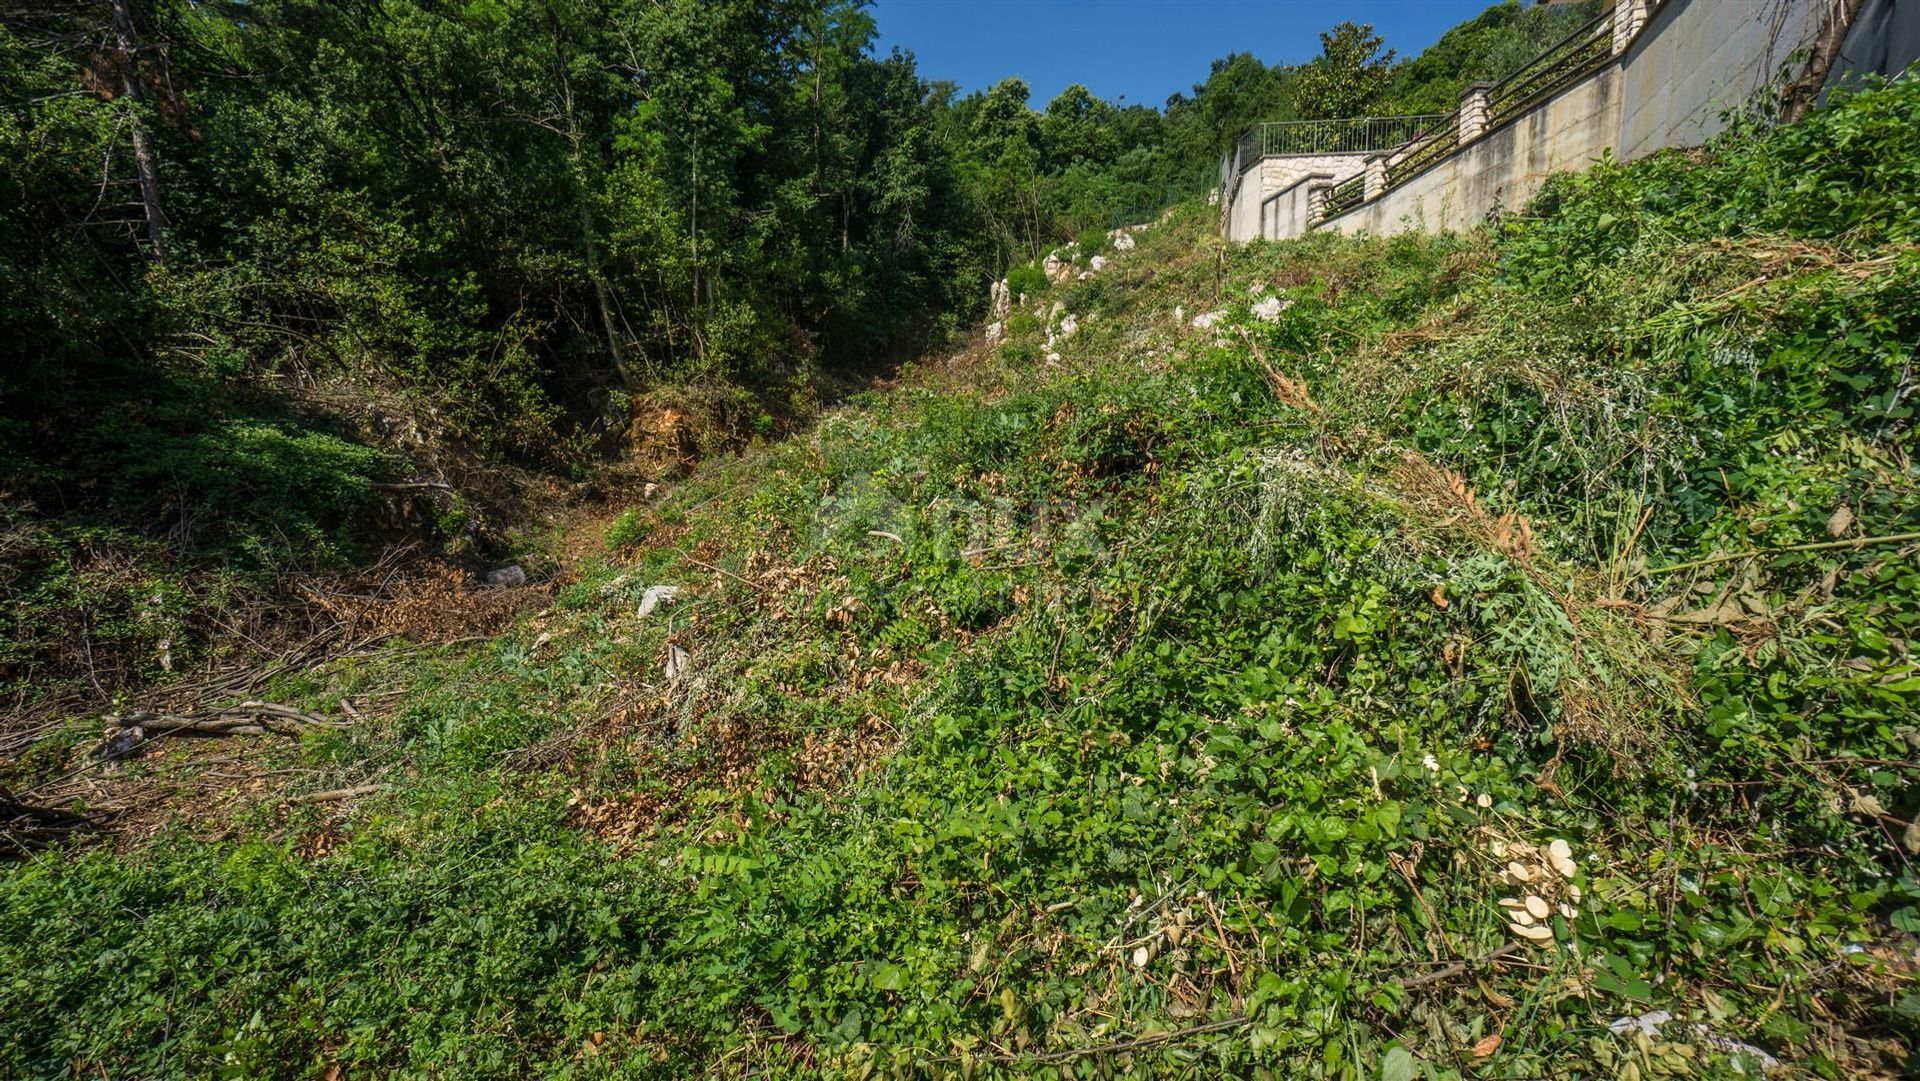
{"points": [[143, 157], [576, 146], [600, 294], [1799, 95]]}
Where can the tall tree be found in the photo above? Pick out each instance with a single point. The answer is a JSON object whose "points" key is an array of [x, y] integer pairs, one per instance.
{"points": [[1077, 129], [1349, 77], [127, 61]]}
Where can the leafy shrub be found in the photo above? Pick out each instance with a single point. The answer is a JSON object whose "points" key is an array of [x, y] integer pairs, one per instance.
{"points": [[1027, 279], [1093, 242], [628, 529]]}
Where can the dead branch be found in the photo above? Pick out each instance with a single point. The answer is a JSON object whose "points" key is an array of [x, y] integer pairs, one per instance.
{"points": [[250, 718], [335, 795], [24, 827], [156, 725], [1457, 967], [1152, 1039], [1822, 546]]}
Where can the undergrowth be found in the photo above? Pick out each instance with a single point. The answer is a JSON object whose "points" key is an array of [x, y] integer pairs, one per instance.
{"points": [[1186, 706]]}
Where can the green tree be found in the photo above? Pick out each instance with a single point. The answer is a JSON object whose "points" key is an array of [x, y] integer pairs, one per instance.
{"points": [[1349, 77], [1076, 129]]}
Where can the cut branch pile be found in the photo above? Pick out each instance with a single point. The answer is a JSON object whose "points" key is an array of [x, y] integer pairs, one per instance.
{"points": [[128, 732], [24, 827]]}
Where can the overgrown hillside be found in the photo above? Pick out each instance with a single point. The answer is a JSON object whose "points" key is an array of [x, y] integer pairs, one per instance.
{"points": [[1471, 656], [301, 299]]}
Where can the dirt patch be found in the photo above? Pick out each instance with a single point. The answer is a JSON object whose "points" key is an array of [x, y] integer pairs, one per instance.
{"points": [[53, 754], [733, 756], [431, 601]]}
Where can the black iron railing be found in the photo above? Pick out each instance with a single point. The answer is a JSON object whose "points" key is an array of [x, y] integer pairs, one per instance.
{"points": [[1346, 195], [1580, 54], [1431, 146], [1360, 135], [1422, 141]]}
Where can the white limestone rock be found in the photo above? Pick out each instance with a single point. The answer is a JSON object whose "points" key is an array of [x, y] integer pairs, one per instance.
{"points": [[1002, 296], [1268, 309], [655, 596], [996, 331], [1207, 320], [1098, 262]]}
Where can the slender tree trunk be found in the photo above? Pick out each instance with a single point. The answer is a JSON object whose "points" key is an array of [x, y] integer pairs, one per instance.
{"points": [[576, 144], [818, 32], [1800, 94], [143, 157], [600, 294], [693, 227]]}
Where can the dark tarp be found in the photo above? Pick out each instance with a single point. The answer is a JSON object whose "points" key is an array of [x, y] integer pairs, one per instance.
{"points": [[1884, 40]]}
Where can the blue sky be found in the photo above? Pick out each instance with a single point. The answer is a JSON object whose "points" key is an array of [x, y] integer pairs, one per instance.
{"points": [[1143, 49]]}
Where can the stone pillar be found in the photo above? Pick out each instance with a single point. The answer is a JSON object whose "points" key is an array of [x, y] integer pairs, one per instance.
{"points": [[1376, 176], [1475, 103], [1317, 200], [1629, 18]]}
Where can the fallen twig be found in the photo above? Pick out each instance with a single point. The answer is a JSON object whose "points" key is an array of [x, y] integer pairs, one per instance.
{"points": [[334, 795], [1821, 546], [24, 827], [1151, 1039], [247, 718], [1455, 969]]}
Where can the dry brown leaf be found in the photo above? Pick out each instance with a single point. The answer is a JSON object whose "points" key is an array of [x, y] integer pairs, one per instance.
{"points": [[1842, 518], [1487, 1046], [1513, 535]]}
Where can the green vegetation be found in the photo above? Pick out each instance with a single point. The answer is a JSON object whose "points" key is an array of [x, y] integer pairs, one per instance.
{"points": [[1185, 707], [265, 261]]}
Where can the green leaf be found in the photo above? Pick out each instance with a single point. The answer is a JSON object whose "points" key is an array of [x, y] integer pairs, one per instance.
{"points": [[1398, 1064], [1637, 989]]}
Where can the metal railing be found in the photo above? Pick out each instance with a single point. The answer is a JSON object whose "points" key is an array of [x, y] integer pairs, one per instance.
{"points": [[1580, 54], [1360, 135], [1576, 56], [1432, 145], [1345, 195], [1424, 140]]}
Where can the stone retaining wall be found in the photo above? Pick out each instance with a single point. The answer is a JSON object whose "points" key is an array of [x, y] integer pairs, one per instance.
{"points": [[1679, 66], [1501, 169]]}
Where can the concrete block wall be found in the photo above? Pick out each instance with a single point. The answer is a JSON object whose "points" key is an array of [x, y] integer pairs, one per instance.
{"points": [[1670, 83], [1285, 213], [1698, 58], [1501, 169], [1268, 177], [1243, 214]]}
